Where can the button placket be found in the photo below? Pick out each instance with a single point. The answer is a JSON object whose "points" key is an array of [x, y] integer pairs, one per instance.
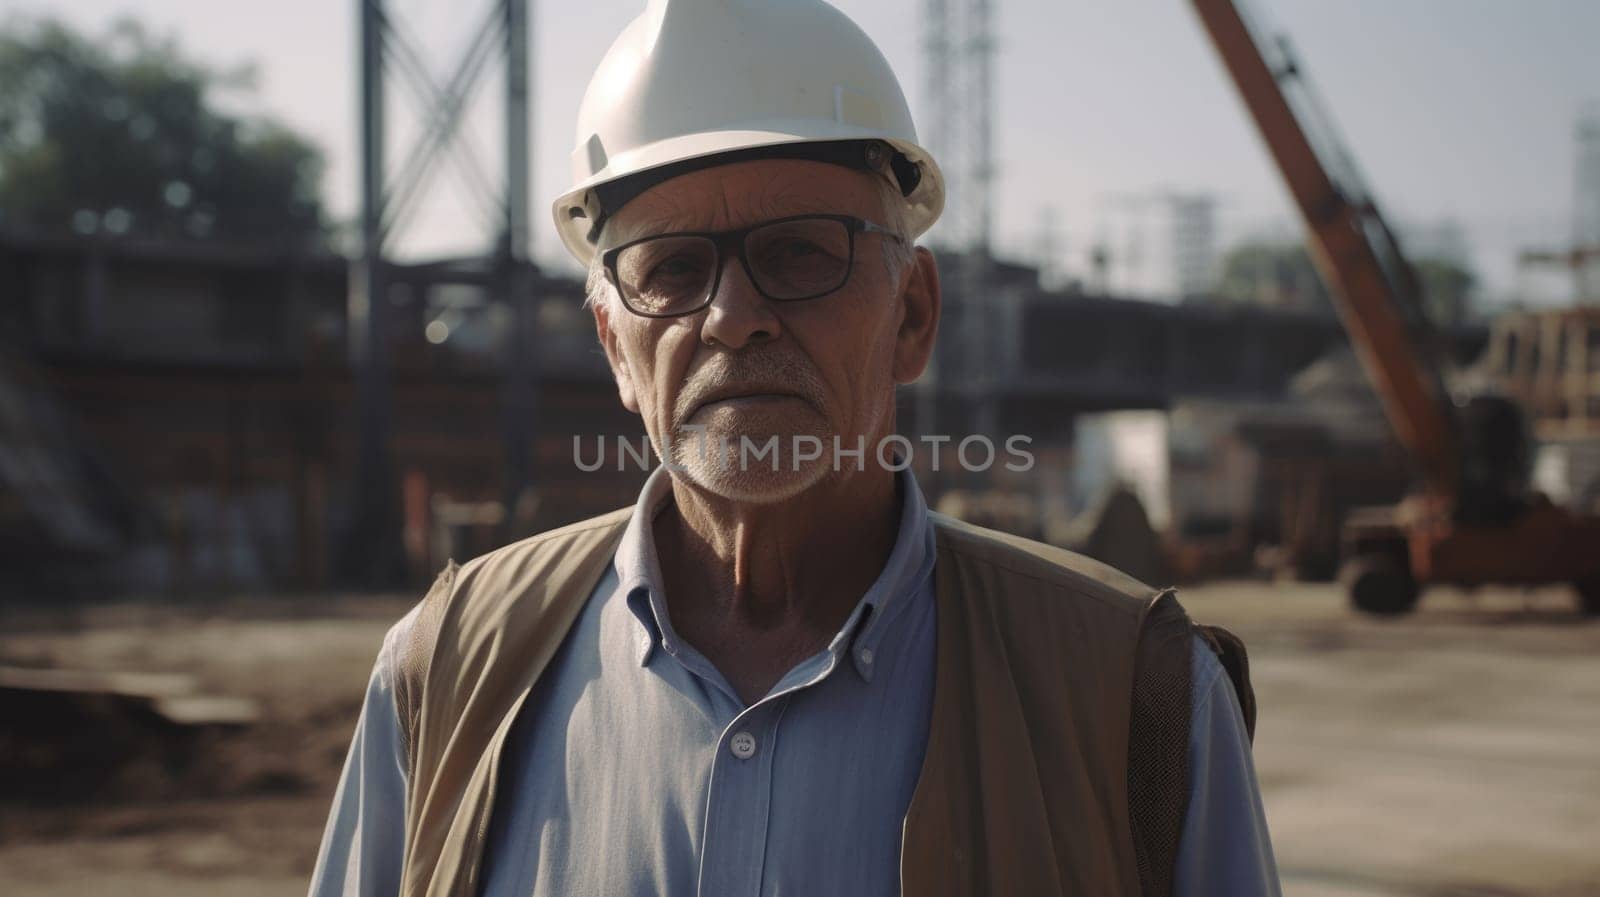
{"points": [[734, 846]]}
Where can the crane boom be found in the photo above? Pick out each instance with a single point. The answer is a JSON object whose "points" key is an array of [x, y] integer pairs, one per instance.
{"points": [[1373, 287]]}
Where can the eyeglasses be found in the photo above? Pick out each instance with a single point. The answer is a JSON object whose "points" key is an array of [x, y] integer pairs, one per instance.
{"points": [[788, 259]]}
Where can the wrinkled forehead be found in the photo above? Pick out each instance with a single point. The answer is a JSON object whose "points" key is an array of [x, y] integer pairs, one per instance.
{"points": [[742, 193]]}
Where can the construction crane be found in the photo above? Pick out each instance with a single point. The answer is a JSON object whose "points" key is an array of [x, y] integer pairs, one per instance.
{"points": [[1473, 519]]}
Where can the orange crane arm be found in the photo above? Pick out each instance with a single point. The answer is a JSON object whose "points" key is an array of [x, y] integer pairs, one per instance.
{"points": [[1372, 285]]}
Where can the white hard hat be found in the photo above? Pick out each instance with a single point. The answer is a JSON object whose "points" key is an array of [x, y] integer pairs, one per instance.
{"points": [[691, 83]]}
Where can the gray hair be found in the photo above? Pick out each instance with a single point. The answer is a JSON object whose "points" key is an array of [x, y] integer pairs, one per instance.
{"points": [[897, 254]]}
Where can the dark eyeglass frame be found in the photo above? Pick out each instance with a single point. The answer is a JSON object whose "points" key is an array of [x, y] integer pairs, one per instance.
{"points": [[734, 241]]}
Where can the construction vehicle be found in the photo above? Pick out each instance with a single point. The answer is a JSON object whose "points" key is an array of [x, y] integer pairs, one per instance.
{"points": [[1472, 518]]}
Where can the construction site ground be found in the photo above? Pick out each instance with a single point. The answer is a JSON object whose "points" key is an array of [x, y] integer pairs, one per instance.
{"points": [[1453, 752]]}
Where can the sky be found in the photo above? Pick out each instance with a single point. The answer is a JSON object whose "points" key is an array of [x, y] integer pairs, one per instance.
{"points": [[1457, 110]]}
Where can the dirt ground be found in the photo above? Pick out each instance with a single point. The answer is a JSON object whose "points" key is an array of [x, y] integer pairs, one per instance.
{"points": [[1454, 753]]}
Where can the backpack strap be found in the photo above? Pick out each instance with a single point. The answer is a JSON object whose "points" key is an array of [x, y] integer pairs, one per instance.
{"points": [[1160, 720], [1236, 663], [1158, 743]]}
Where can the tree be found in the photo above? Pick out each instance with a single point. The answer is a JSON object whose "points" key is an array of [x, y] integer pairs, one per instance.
{"points": [[1284, 276], [1281, 275], [1447, 289], [119, 136]]}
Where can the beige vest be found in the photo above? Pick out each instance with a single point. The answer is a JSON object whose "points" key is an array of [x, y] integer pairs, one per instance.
{"points": [[1024, 786]]}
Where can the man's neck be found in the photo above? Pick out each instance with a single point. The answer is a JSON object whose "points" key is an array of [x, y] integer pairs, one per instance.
{"points": [[758, 587], [765, 564]]}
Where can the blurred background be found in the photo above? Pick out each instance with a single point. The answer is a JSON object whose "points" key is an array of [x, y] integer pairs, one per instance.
{"points": [[284, 326]]}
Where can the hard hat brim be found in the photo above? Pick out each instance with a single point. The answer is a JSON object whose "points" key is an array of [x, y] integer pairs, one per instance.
{"points": [[577, 210]]}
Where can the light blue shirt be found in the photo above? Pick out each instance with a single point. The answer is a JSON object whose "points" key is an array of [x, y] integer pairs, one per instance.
{"points": [[635, 769]]}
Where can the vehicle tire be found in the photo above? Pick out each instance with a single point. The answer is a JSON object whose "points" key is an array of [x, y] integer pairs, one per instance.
{"points": [[1318, 566], [1588, 597], [1379, 584]]}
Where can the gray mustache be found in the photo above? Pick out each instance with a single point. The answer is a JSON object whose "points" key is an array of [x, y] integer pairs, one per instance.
{"points": [[765, 372]]}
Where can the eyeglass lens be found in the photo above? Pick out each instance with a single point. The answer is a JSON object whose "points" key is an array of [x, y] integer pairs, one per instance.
{"points": [[788, 260]]}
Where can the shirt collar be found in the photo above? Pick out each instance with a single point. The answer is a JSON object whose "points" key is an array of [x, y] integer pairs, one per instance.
{"points": [[908, 567], [639, 568]]}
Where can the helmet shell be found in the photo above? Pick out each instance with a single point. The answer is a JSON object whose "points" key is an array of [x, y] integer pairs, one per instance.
{"points": [[694, 78]]}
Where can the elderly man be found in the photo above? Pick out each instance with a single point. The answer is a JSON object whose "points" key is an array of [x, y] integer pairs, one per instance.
{"points": [[778, 673]]}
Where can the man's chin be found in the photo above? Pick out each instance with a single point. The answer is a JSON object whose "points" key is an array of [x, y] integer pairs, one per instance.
{"points": [[757, 485], [754, 466]]}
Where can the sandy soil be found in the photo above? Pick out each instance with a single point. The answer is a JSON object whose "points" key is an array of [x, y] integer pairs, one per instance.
{"points": [[1449, 754]]}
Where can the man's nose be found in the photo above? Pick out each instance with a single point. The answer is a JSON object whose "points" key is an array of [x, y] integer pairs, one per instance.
{"points": [[738, 313]]}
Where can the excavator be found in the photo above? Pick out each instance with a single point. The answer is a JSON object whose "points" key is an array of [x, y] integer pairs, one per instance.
{"points": [[1472, 517]]}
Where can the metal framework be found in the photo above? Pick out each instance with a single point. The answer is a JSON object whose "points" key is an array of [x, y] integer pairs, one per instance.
{"points": [[388, 202], [958, 54], [1582, 258], [1586, 208]]}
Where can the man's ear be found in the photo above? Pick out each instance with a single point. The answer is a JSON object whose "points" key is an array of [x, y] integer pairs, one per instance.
{"points": [[919, 322], [619, 364]]}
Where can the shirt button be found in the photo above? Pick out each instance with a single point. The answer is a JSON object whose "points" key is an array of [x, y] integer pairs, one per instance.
{"points": [[743, 745], [866, 655]]}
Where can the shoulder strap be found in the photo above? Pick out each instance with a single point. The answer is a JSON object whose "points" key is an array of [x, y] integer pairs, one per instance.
{"points": [[1236, 663], [1158, 744]]}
